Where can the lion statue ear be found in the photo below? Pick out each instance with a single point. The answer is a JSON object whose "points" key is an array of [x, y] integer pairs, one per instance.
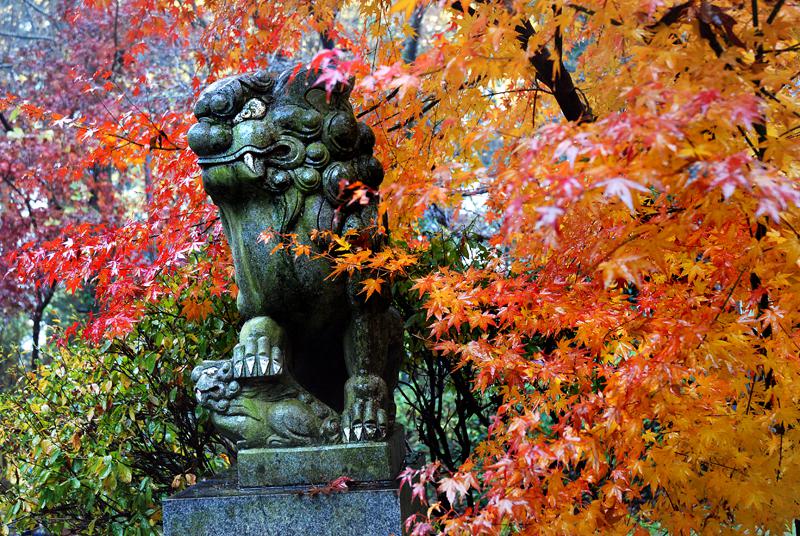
{"points": [[303, 88], [260, 82]]}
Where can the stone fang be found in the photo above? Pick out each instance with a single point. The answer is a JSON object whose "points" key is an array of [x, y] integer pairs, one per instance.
{"points": [[248, 161]]}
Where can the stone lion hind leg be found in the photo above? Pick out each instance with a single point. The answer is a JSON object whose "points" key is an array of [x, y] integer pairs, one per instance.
{"points": [[373, 353]]}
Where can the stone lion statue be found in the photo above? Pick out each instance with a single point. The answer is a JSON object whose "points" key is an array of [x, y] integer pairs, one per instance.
{"points": [[316, 362]]}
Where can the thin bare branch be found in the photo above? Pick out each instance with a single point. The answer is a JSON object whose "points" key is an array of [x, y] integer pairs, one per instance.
{"points": [[29, 37]]}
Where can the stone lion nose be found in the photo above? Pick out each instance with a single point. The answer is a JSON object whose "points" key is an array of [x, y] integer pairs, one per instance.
{"points": [[208, 139]]}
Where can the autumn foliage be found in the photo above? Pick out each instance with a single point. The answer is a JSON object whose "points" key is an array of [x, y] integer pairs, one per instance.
{"points": [[631, 168]]}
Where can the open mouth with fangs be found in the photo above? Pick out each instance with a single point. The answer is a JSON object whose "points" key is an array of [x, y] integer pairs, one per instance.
{"points": [[287, 152], [251, 156]]}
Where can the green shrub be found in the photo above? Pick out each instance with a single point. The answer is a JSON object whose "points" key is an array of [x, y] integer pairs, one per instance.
{"points": [[92, 441]]}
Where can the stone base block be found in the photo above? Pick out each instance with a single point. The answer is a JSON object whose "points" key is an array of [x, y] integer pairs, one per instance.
{"points": [[217, 507], [321, 464]]}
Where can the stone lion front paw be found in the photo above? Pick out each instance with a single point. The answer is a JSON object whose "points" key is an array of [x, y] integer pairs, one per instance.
{"points": [[364, 417], [256, 358], [260, 352]]}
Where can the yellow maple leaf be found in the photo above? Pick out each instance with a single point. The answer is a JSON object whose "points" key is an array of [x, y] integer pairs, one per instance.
{"points": [[407, 6], [372, 285]]}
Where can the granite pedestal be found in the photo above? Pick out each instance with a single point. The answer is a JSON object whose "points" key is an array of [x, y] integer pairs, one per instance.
{"points": [[272, 493], [219, 507]]}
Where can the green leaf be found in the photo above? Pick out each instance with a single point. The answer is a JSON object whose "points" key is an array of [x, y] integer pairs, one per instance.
{"points": [[124, 474]]}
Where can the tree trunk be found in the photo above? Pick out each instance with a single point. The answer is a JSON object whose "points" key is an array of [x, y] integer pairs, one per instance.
{"points": [[44, 296]]}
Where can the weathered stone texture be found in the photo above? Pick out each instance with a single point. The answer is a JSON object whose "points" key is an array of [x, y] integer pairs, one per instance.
{"points": [[318, 358], [374, 460], [217, 508]]}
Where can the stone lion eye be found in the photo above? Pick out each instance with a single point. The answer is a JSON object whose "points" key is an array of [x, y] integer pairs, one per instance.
{"points": [[254, 109]]}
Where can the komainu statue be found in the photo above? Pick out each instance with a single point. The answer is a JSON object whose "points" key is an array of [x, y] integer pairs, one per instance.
{"points": [[316, 361]]}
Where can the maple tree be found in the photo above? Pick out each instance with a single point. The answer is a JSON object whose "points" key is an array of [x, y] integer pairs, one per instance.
{"points": [[621, 178]]}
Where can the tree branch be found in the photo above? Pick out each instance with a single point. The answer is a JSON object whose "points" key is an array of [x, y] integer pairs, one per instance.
{"points": [[552, 73], [411, 46], [13, 35], [38, 9], [5, 123], [775, 10]]}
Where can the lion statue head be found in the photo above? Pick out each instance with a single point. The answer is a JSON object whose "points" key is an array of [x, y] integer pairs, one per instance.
{"points": [[281, 132]]}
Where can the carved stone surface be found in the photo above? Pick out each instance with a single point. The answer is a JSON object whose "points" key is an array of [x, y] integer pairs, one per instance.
{"points": [[316, 361], [216, 507], [363, 462]]}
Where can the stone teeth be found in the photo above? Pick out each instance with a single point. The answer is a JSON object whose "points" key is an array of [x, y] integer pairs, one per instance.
{"points": [[249, 162]]}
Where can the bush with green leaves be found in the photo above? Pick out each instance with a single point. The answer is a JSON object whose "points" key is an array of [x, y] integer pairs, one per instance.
{"points": [[93, 440]]}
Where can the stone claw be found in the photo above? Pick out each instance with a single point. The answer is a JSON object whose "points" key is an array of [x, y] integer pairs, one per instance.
{"points": [[276, 362], [365, 420], [365, 417], [257, 358]]}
